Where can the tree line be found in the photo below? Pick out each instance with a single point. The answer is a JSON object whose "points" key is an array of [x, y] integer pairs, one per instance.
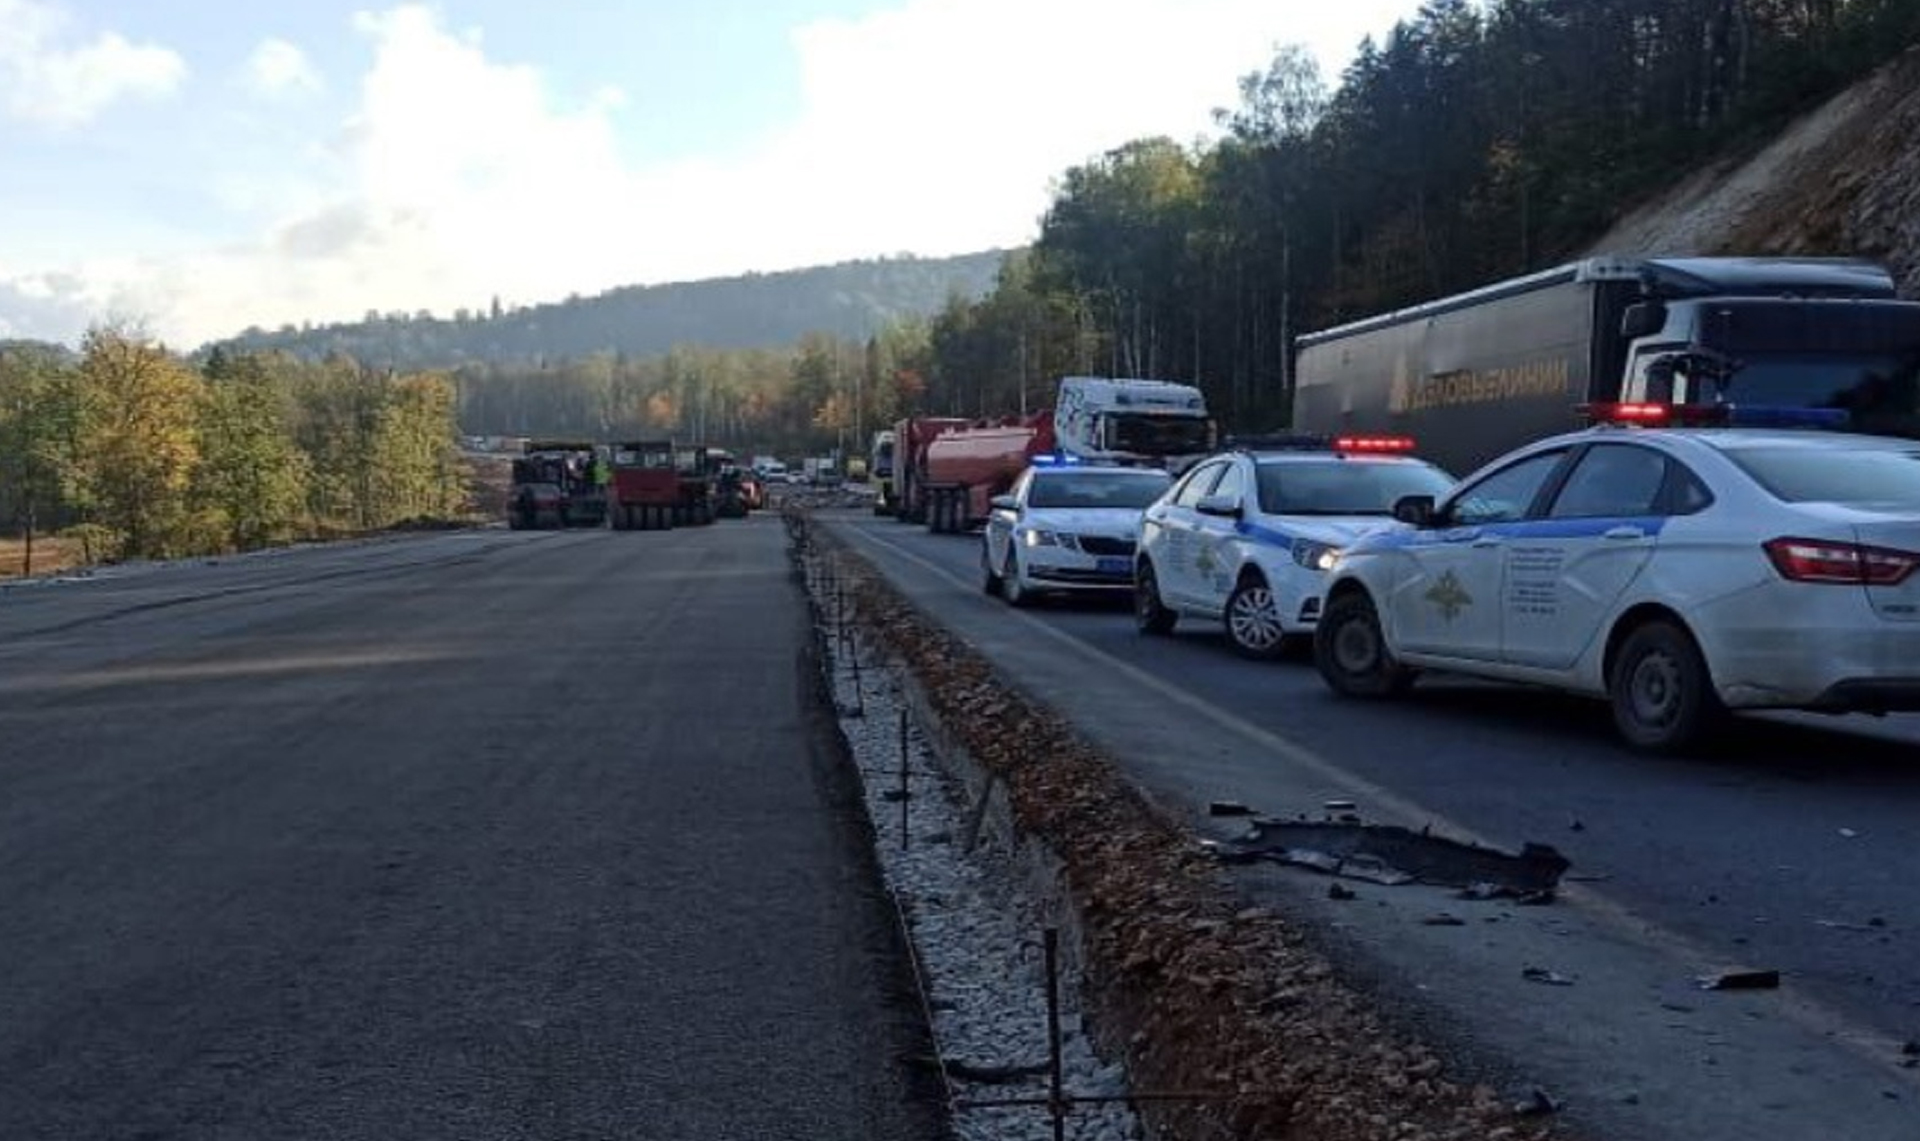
{"points": [[1477, 141], [139, 453]]}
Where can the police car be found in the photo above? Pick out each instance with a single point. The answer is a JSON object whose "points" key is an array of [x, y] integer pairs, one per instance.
{"points": [[1066, 526], [1247, 537], [1675, 571]]}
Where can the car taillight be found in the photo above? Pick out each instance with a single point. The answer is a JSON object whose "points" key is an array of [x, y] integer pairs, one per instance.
{"points": [[1820, 560]]}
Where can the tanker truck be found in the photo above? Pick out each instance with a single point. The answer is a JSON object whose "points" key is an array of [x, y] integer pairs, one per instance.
{"points": [[1096, 419]]}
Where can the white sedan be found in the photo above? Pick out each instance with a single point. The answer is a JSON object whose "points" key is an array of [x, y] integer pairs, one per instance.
{"points": [[1066, 527], [1678, 573], [1246, 538]]}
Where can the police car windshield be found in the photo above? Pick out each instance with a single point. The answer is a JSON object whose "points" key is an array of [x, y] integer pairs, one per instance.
{"points": [[1885, 478], [1133, 490], [1344, 486]]}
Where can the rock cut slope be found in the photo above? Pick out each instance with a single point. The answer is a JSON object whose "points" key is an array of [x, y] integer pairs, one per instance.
{"points": [[1842, 180]]}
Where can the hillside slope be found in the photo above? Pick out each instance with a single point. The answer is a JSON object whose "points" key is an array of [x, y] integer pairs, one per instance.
{"points": [[852, 299], [1842, 180]]}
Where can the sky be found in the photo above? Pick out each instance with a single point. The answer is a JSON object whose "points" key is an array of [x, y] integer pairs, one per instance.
{"points": [[197, 167]]}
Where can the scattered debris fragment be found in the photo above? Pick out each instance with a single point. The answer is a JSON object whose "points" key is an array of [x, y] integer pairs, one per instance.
{"points": [[1442, 919], [1741, 980], [1848, 833], [1389, 854], [1537, 1103], [1341, 892], [1545, 976], [1228, 808], [1841, 925]]}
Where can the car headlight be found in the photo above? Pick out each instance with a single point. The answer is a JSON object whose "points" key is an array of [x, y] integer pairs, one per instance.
{"points": [[1035, 537], [1315, 556]]}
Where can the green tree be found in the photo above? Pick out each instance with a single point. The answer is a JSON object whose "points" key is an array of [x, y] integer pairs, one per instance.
{"points": [[252, 479], [138, 442]]}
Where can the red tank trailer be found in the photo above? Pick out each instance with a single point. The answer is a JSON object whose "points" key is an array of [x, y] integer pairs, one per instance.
{"points": [[903, 495], [967, 467]]}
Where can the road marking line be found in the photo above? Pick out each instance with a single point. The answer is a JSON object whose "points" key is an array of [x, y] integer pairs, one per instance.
{"points": [[1809, 1014]]}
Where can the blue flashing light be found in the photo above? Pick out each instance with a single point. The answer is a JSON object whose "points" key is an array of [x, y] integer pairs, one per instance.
{"points": [[1054, 459], [1784, 416]]}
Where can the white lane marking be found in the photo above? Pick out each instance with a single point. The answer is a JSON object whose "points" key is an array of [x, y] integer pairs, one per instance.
{"points": [[1872, 1045]]}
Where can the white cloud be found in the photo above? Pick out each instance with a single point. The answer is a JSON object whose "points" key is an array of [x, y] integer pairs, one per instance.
{"points": [[934, 127], [42, 82], [278, 68]]}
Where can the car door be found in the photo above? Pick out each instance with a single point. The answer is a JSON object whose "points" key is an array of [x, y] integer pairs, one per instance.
{"points": [[1175, 521], [1566, 569], [1214, 535], [1447, 599]]}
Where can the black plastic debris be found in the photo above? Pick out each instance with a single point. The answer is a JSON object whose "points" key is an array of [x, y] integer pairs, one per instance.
{"points": [[1544, 976], [1228, 808], [1537, 1103], [1741, 980], [1388, 854], [1442, 919], [1341, 892]]}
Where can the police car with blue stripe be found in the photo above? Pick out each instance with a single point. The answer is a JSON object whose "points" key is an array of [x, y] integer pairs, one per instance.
{"points": [[1066, 526], [1672, 560], [1246, 538]]}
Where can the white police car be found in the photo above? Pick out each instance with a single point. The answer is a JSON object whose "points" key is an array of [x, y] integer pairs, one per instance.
{"points": [[1677, 572], [1066, 526], [1248, 536]]}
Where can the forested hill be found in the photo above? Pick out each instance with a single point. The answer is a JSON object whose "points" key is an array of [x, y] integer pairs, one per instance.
{"points": [[852, 299]]}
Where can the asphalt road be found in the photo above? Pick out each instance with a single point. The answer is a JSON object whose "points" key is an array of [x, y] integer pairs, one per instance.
{"points": [[476, 835], [1795, 846]]}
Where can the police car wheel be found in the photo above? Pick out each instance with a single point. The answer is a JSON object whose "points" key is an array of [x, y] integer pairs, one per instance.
{"points": [[1351, 652], [1011, 588], [1253, 620], [1148, 612], [1662, 696], [989, 578]]}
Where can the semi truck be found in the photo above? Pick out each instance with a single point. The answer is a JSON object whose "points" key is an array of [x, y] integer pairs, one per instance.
{"points": [[1126, 420], [1477, 374]]}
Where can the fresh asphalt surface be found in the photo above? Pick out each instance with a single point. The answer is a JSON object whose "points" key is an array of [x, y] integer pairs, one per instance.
{"points": [[475, 835], [1794, 846]]}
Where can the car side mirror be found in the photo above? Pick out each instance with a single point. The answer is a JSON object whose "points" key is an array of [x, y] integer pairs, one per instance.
{"points": [[1643, 319], [1004, 503], [1414, 509], [1226, 506]]}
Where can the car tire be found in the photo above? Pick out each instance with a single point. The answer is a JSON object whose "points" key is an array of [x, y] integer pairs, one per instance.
{"points": [[1253, 622], [1661, 691], [990, 581], [1149, 614], [1350, 650], [1012, 588]]}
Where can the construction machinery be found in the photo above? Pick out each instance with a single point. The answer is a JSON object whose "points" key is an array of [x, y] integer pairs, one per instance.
{"points": [[554, 486]]}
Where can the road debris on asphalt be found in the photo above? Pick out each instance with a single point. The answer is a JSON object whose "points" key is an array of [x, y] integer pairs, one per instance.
{"points": [[1391, 855], [1740, 980]]}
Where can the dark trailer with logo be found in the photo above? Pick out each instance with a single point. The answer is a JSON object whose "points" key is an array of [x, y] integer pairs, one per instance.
{"points": [[1477, 374]]}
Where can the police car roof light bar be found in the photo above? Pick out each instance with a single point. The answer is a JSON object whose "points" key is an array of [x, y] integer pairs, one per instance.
{"points": [[1649, 414], [1374, 445]]}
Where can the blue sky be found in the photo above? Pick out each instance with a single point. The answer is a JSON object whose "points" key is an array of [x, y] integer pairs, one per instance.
{"points": [[204, 165]]}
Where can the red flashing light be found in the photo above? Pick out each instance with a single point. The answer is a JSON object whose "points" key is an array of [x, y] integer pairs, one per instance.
{"points": [[1850, 564], [1646, 412], [1374, 445]]}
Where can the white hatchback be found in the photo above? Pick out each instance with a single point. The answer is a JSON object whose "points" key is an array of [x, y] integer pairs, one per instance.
{"points": [[1246, 538], [1677, 573], [1066, 527]]}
